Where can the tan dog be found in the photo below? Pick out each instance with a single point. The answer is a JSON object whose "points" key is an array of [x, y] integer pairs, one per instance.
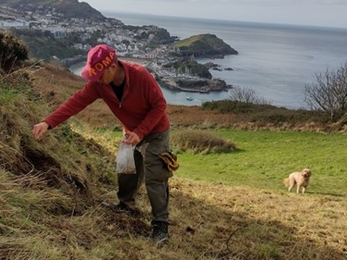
{"points": [[301, 179]]}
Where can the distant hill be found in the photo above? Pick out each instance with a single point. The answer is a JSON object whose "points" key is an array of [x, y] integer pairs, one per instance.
{"points": [[205, 45], [70, 8]]}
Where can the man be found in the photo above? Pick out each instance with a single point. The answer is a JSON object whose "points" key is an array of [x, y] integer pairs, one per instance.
{"points": [[136, 99]]}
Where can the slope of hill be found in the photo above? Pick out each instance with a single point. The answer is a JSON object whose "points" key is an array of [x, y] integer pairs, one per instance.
{"points": [[70, 8], [52, 193]]}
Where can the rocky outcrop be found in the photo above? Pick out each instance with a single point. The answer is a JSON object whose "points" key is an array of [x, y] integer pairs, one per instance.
{"points": [[199, 85], [205, 45], [181, 65]]}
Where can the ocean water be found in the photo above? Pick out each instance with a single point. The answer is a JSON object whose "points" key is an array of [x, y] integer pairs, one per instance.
{"points": [[276, 61]]}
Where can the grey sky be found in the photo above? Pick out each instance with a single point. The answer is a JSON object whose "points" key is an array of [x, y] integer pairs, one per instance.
{"points": [[330, 13]]}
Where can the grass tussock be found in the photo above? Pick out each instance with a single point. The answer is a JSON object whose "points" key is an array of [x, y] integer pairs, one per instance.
{"points": [[51, 194], [199, 141]]}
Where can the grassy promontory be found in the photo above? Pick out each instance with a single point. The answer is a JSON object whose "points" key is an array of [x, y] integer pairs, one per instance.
{"points": [[223, 205]]}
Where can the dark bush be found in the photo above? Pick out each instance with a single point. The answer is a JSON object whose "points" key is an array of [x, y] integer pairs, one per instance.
{"points": [[12, 52]]}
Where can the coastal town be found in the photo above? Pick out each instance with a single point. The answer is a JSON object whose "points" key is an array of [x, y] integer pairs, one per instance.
{"points": [[150, 44], [124, 38]]}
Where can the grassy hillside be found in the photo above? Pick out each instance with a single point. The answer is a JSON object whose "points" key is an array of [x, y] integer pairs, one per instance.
{"points": [[223, 206]]}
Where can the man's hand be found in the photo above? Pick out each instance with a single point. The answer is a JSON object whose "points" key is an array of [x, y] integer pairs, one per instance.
{"points": [[39, 130], [132, 138]]}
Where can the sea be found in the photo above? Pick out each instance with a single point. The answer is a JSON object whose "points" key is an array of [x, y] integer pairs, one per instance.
{"points": [[276, 61]]}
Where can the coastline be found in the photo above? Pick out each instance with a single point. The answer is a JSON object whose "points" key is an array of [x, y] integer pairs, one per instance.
{"points": [[275, 60]]}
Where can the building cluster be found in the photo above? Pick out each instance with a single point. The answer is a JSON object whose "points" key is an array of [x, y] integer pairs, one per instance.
{"points": [[128, 40], [145, 42]]}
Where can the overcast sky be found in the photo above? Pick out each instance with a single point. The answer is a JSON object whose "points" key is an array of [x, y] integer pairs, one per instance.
{"points": [[330, 13]]}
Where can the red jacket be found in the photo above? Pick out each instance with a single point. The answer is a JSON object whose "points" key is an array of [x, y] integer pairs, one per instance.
{"points": [[142, 109]]}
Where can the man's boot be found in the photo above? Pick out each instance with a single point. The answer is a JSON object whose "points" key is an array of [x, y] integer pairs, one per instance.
{"points": [[160, 232]]}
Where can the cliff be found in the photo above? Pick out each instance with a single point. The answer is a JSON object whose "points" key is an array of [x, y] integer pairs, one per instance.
{"points": [[205, 45]]}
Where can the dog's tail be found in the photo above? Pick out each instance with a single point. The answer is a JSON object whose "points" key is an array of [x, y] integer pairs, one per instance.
{"points": [[286, 182]]}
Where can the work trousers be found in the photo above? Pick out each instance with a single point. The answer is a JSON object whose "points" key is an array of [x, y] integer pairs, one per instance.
{"points": [[151, 169]]}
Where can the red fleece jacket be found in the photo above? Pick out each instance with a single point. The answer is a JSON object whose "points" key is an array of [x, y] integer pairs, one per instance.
{"points": [[142, 109]]}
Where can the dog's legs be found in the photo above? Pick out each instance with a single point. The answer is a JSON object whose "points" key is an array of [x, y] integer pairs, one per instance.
{"points": [[303, 190], [291, 185], [298, 189]]}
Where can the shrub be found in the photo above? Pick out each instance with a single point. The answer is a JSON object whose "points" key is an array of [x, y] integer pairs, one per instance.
{"points": [[247, 95], [199, 141], [12, 52], [329, 92]]}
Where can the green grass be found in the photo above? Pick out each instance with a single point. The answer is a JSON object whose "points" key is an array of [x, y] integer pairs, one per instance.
{"points": [[6, 97], [265, 158]]}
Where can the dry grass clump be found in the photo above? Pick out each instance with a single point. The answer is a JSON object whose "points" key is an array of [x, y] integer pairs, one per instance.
{"points": [[200, 141], [42, 182], [20, 154]]}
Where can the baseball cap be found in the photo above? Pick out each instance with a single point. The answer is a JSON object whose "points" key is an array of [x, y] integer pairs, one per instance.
{"points": [[99, 59]]}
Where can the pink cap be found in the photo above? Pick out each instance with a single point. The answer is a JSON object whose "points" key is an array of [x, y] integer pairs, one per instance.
{"points": [[99, 59]]}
